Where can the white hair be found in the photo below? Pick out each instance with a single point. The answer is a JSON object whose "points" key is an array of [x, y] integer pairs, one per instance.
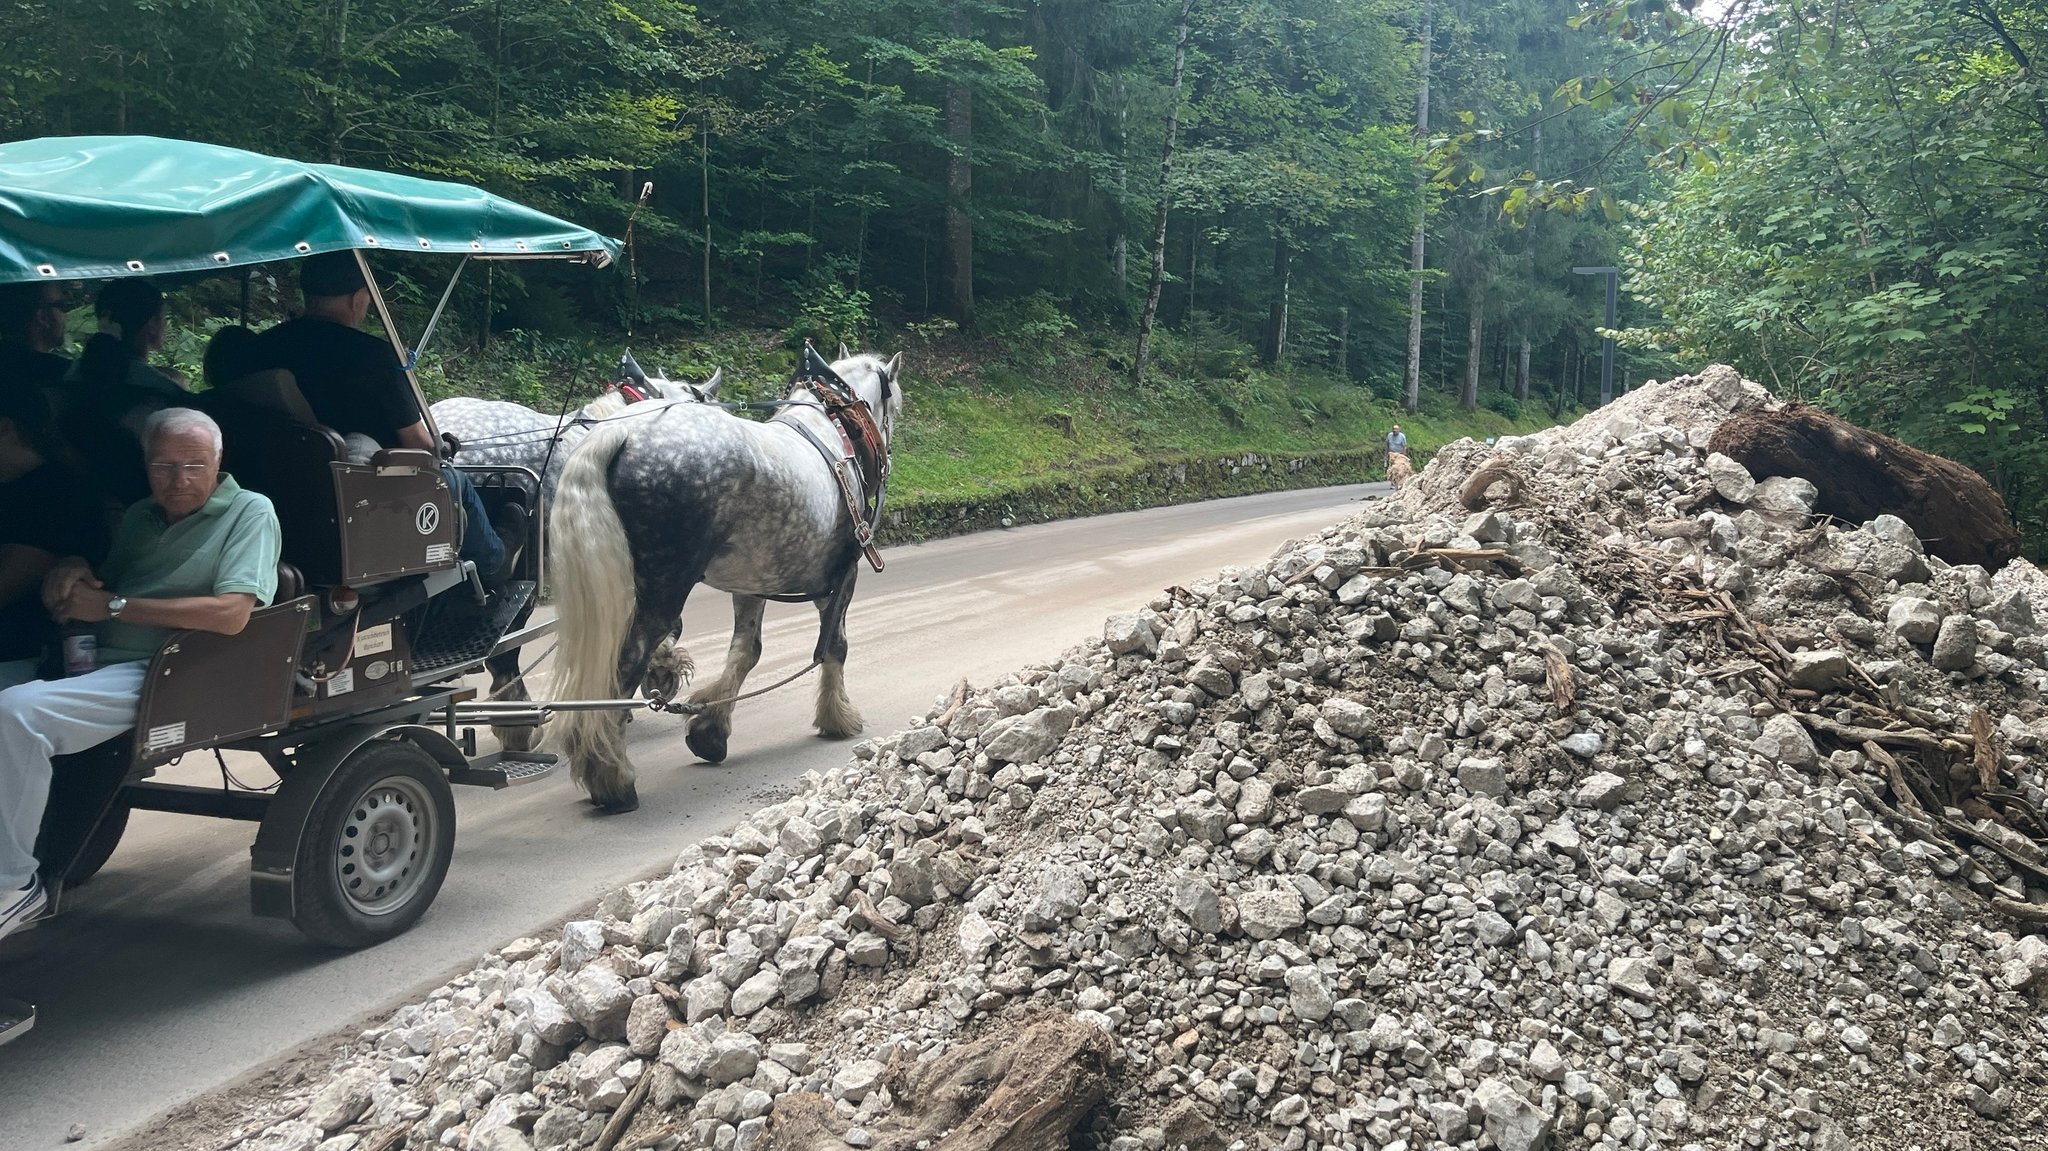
{"points": [[173, 421]]}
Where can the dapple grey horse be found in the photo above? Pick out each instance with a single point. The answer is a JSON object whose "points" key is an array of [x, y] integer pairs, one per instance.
{"points": [[499, 433], [651, 507]]}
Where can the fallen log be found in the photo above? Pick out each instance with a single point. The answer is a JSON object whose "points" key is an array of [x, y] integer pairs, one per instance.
{"points": [[1017, 1089], [1861, 474]]}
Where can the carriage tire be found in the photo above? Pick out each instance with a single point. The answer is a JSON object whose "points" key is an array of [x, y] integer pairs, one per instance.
{"points": [[377, 846], [100, 847]]}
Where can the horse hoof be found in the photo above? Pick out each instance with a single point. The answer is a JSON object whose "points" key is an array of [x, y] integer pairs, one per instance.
{"points": [[617, 805], [708, 745]]}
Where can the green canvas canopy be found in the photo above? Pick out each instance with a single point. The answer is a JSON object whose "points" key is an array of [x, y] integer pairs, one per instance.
{"points": [[96, 207]]}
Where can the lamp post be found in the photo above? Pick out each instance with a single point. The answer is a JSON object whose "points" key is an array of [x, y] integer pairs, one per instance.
{"points": [[1607, 343]]}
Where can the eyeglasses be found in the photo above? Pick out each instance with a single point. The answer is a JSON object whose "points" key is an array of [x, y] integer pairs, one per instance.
{"points": [[171, 471]]}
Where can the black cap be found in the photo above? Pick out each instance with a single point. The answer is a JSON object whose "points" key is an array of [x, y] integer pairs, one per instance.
{"points": [[331, 274]]}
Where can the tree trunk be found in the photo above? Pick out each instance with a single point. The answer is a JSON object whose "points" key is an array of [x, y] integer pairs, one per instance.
{"points": [[1474, 348], [704, 190], [1522, 373], [336, 78], [1120, 250], [1019, 1088], [1412, 380], [1276, 316], [1344, 341], [1158, 281], [960, 186], [1861, 475]]}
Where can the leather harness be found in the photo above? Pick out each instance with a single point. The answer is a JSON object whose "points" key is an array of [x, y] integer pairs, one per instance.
{"points": [[862, 454]]}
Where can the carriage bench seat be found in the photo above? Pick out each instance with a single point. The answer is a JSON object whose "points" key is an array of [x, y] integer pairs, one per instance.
{"points": [[345, 524]]}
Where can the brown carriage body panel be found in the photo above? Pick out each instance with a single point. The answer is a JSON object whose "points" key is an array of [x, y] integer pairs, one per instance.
{"points": [[395, 521], [377, 670], [204, 689], [344, 523]]}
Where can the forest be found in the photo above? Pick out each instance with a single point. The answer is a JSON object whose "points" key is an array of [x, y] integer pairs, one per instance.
{"points": [[1216, 200]]}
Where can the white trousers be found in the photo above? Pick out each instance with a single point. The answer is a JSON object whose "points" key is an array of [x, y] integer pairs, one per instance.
{"points": [[41, 718]]}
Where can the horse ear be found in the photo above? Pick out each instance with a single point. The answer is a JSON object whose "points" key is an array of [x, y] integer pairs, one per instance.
{"points": [[844, 352], [894, 365], [710, 386]]}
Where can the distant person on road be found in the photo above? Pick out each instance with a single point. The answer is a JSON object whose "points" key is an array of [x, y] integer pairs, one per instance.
{"points": [[1397, 442], [201, 553]]}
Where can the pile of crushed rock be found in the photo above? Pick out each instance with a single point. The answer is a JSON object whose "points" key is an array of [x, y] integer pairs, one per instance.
{"points": [[1639, 811]]}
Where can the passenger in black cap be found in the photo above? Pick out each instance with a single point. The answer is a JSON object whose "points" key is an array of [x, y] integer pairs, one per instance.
{"points": [[355, 384]]}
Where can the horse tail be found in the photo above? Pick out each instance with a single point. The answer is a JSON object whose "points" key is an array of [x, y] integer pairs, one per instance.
{"points": [[594, 602]]}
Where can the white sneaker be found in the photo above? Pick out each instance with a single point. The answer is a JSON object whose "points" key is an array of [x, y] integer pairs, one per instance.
{"points": [[22, 906]]}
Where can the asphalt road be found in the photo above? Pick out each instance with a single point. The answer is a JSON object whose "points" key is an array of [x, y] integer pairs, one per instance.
{"points": [[157, 985]]}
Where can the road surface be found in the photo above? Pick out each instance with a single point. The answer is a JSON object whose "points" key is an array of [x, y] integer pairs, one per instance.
{"points": [[157, 985]]}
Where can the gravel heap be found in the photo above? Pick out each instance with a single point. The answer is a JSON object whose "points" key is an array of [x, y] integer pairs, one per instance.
{"points": [[1641, 811]]}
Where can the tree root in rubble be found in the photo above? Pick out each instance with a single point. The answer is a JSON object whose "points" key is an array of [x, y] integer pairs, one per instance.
{"points": [[1476, 493], [1862, 474], [1022, 1088], [1948, 770]]}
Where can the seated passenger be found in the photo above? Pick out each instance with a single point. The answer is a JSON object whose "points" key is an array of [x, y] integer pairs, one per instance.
{"points": [[355, 384], [227, 355], [112, 390], [199, 553], [46, 513], [31, 332]]}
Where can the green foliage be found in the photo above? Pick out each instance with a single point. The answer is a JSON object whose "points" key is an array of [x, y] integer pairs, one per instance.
{"points": [[1028, 329], [804, 164], [1865, 226], [830, 313], [1503, 403]]}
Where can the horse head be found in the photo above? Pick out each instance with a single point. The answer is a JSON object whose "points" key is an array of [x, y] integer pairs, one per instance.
{"points": [[704, 393], [866, 377]]}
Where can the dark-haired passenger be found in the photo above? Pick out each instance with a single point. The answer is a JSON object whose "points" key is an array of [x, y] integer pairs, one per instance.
{"points": [[112, 390]]}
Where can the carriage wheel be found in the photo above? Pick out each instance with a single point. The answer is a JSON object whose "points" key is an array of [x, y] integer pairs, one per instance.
{"points": [[377, 846], [100, 848]]}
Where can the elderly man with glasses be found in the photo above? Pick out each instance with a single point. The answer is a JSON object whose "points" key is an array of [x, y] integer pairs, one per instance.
{"points": [[201, 553]]}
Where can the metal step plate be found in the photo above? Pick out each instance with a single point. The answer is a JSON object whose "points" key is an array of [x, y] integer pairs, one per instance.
{"points": [[458, 634], [503, 769]]}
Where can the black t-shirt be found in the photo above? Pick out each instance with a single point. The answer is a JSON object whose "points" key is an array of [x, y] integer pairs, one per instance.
{"points": [[55, 511], [23, 365], [352, 379]]}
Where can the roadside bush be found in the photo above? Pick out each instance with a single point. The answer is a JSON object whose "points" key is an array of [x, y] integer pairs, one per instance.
{"points": [[1025, 329], [1203, 347], [831, 313], [1503, 403]]}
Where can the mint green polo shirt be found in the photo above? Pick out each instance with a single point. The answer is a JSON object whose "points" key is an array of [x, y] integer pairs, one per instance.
{"points": [[230, 544]]}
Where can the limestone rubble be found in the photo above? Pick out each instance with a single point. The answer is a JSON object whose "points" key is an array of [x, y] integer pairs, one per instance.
{"points": [[1640, 812]]}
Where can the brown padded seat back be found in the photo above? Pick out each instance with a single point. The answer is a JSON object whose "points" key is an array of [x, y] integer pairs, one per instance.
{"points": [[269, 450], [273, 390]]}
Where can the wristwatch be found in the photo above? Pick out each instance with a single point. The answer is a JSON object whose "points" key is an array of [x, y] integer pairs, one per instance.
{"points": [[116, 606]]}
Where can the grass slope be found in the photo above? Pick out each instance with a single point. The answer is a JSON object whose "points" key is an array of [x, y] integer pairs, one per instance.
{"points": [[1044, 432]]}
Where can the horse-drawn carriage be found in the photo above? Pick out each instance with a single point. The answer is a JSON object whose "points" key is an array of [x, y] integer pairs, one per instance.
{"points": [[349, 684]]}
